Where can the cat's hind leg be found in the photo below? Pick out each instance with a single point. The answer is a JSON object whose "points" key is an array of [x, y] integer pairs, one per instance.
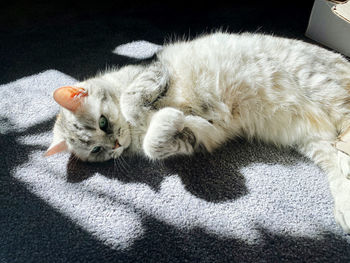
{"points": [[337, 166]]}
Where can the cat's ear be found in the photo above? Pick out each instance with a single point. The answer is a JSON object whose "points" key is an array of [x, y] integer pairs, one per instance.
{"points": [[70, 97], [56, 148]]}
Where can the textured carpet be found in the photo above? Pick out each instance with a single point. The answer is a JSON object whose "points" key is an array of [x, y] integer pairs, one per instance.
{"points": [[247, 201], [244, 203]]}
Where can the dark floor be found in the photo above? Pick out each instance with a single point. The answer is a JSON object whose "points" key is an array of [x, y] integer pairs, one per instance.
{"points": [[77, 39]]}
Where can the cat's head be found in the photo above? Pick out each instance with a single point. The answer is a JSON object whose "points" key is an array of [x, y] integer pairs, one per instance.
{"points": [[90, 124]]}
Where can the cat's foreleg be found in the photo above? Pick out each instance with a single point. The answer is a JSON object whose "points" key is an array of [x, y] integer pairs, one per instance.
{"points": [[172, 133], [141, 95], [167, 135], [336, 165]]}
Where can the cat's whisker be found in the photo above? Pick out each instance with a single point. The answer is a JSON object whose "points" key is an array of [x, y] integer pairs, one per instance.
{"points": [[114, 165], [73, 162], [123, 168], [117, 165], [122, 159], [108, 171]]}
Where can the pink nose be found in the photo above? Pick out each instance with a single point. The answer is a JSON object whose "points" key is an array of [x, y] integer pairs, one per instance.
{"points": [[117, 145]]}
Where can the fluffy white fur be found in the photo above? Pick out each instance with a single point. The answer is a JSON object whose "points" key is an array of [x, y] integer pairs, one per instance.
{"points": [[200, 93]]}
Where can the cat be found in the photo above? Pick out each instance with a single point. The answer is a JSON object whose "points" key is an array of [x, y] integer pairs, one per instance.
{"points": [[198, 94]]}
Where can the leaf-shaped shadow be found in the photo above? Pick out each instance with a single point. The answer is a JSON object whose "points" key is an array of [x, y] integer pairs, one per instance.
{"points": [[16, 153], [212, 177], [208, 178]]}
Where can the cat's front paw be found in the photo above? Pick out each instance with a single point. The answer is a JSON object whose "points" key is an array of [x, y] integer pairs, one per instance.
{"points": [[167, 135], [342, 205]]}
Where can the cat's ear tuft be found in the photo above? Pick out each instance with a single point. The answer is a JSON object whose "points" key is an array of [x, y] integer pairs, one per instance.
{"points": [[56, 148], [70, 97]]}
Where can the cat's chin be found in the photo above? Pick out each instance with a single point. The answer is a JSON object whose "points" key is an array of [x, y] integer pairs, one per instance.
{"points": [[117, 152]]}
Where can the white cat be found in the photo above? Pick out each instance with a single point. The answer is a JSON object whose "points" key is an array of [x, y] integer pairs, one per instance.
{"points": [[200, 93]]}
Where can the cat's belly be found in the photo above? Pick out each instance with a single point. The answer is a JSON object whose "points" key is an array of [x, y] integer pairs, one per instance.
{"points": [[287, 126]]}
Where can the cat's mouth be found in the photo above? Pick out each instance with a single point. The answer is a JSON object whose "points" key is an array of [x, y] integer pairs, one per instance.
{"points": [[117, 144], [117, 150]]}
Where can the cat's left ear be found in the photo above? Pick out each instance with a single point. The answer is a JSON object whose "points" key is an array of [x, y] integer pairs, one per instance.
{"points": [[70, 97], [58, 143]]}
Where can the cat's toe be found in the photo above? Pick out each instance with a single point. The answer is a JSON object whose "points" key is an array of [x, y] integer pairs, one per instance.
{"points": [[165, 136], [171, 119], [342, 204], [342, 217]]}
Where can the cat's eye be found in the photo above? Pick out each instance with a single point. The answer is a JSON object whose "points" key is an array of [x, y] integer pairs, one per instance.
{"points": [[96, 149], [103, 123]]}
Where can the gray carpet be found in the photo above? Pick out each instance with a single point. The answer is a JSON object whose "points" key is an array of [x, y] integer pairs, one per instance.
{"points": [[244, 203]]}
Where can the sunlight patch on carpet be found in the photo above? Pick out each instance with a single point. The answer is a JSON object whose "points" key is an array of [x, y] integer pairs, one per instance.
{"points": [[138, 49]]}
